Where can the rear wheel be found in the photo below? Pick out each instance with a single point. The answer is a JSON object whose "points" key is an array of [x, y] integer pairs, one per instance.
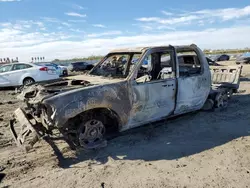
{"points": [[221, 100], [28, 81], [65, 73]]}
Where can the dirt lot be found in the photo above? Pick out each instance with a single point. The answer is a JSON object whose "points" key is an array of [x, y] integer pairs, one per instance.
{"points": [[204, 149]]}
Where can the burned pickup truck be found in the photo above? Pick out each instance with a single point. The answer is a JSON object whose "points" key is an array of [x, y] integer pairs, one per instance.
{"points": [[126, 89]]}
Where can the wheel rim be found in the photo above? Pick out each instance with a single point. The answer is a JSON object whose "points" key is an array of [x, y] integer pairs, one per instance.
{"points": [[28, 81], [222, 100], [91, 134]]}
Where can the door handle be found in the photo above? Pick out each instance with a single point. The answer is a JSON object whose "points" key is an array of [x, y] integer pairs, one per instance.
{"points": [[167, 85]]}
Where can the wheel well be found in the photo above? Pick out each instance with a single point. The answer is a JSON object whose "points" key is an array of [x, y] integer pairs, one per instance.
{"points": [[110, 118], [27, 78]]}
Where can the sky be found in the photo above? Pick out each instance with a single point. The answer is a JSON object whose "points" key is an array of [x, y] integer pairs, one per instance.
{"points": [[63, 29]]}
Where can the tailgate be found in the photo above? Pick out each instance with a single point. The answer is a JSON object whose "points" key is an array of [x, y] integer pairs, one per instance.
{"points": [[226, 75]]}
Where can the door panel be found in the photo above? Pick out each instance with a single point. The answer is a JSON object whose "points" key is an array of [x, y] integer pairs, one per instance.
{"points": [[15, 76], [4, 75], [4, 80], [152, 101], [192, 93], [194, 81]]}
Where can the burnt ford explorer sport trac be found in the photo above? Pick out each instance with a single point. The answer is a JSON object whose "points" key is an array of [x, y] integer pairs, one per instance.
{"points": [[127, 88]]}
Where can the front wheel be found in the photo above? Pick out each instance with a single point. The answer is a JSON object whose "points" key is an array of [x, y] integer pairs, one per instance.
{"points": [[91, 134]]}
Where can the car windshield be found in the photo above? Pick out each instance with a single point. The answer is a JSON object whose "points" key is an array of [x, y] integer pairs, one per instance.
{"points": [[116, 65]]}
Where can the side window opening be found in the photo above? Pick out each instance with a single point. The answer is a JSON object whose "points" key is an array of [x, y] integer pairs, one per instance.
{"points": [[156, 66], [189, 63], [20, 66], [5, 68]]}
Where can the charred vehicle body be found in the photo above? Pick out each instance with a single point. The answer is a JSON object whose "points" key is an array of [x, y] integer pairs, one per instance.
{"points": [[120, 93]]}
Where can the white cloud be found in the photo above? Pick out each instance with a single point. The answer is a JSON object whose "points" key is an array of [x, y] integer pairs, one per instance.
{"points": [[104, 34], [66, 24], [79, 7], [166, 13], [169, 21], [56, 21], [99, 25], [12, 38], [9, 0], [206, 15], [161, 27], [77, 21], [58, 45], [148, 19], [22, 24], [77, 30], [225, 14], [49, 19], [76, 14]]}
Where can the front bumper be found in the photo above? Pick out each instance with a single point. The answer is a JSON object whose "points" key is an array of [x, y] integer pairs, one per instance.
{"points": [[28, 130]]}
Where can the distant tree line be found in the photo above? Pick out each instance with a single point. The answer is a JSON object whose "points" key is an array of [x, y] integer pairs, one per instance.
{"points": [[206, 51], [226, 51], [80, 59]]}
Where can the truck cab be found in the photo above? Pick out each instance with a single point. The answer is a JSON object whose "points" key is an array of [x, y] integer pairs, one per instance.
{"points": [[168, 86]]}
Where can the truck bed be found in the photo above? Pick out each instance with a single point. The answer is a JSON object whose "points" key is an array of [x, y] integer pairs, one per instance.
{"points": [[226, 76]]}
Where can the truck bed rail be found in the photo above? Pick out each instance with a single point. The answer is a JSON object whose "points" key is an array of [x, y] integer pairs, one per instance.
{"points": [[226, 75]]}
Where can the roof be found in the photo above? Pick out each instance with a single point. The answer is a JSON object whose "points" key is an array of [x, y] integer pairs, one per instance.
{"points": [[142, 49], [133, 49], [14, 63]]}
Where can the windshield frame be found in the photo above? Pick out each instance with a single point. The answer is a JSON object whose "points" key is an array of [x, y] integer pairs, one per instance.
{"points": [[127, 66]]}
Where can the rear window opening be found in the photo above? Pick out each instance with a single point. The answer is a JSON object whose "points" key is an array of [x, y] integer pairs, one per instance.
{"points": [[189, 62]]}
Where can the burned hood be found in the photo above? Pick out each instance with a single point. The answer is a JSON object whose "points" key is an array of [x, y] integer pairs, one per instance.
{"points": [[38, 92], [96, 79]]}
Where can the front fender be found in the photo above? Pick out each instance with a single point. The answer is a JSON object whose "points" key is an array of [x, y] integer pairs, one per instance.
{"points": [[113, 96]]}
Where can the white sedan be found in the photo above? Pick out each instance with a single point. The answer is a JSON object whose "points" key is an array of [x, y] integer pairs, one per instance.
{"points": [[62, 70], [17, 74]]}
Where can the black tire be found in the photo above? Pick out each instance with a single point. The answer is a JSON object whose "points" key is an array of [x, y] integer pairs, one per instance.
{"points": [[28, 81], [65, 73], [90, 133], [221, 99]]}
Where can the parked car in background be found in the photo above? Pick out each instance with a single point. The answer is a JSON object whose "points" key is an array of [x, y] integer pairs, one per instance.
{"points": [[222, 57], [243, 59], [17, 74], [212, 62], [80, 66], [62, 70]]}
